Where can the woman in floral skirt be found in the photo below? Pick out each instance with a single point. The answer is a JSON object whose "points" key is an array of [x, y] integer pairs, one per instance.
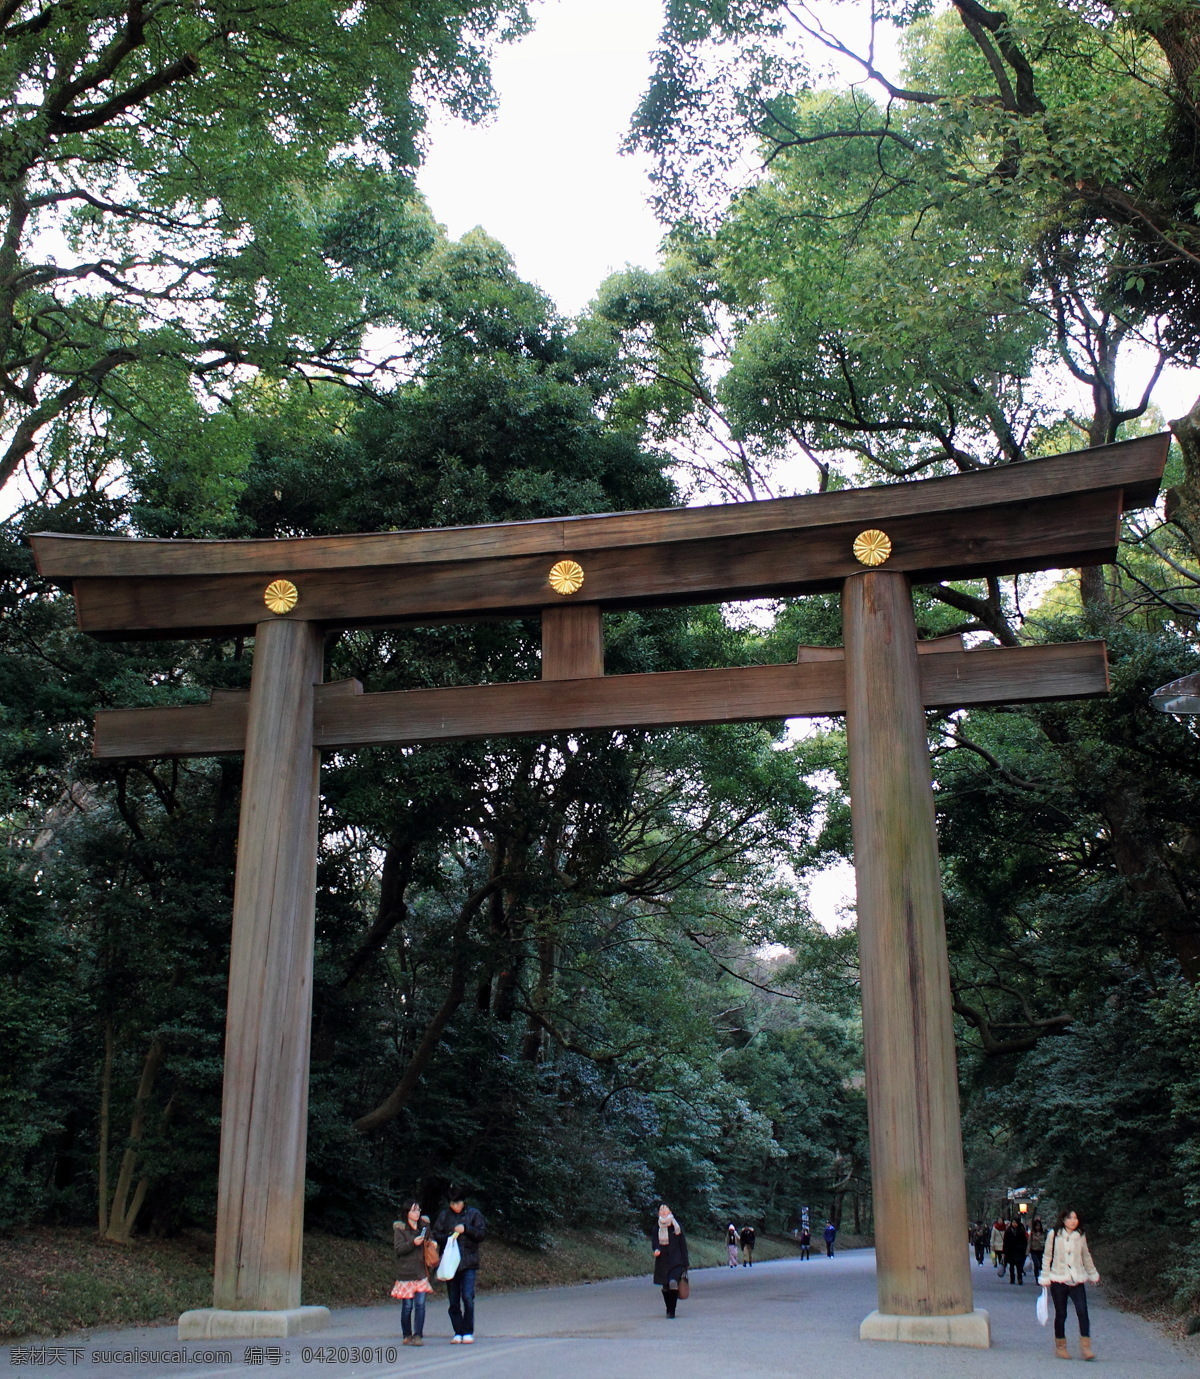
{"points": [[412, 1280]]}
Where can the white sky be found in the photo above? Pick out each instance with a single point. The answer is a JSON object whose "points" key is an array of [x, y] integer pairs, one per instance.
{"points": [[546, 177]]}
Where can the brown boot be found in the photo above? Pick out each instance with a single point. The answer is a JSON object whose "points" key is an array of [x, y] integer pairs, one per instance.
{"points": [[1060, 1348], [1085, 1348]]}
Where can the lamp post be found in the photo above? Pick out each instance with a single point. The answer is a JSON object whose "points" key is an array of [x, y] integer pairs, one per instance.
{"points": [[1179, 697]]}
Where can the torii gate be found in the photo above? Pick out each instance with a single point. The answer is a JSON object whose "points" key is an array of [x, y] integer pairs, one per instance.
{"points": [[871, 543]]}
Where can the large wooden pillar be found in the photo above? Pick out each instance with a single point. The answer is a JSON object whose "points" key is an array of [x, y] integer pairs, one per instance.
{"points": [[264, 1110], [912, 1087]]}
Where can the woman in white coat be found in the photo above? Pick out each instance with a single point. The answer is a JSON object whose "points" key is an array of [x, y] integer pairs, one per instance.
{"points": [[1067, 1268]]}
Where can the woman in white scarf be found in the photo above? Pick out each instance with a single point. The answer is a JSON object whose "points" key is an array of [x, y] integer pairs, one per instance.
{"points": [[670, 1257]]}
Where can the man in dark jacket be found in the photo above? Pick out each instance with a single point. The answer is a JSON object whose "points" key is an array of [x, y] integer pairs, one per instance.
{"points": [[1016, 1247], [466, 1225], [830, 1234], [747, 1246]]}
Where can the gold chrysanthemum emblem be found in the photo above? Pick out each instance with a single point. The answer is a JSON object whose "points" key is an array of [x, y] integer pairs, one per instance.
{"points": [[872, 547], [281, 596], [566, 577]]}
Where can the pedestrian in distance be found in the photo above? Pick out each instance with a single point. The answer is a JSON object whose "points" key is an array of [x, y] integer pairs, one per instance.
{"points": [[805, 1243], [1037, 1245], [1016, 1247], [1066, 1270], [731, 1245], [830, 1234], [467, 1226], [409, 1237], [996, 1243], [747, 1238], [670, 1258], [981, 1241]]}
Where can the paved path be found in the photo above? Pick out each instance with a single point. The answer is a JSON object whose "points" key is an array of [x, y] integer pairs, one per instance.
{"points": [[782, 1318]]}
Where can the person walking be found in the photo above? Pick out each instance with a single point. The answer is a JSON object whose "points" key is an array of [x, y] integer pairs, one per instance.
{"points": [[731, 1245], [457, 1221], [1016, 1247], [996, 1243], [1066, 1270], [981, 1241], [670, 1257], [409, 1237], [1037, 1245], [805, 1243], [747, 1239], [830, 1234]]}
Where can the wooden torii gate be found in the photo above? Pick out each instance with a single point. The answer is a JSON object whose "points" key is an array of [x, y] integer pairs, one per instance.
{"points": [[869, 543]]}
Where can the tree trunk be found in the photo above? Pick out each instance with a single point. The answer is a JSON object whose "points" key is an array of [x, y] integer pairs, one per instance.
{"points": [[396, 1100], [1093, 593], [1183, 501], [105, 1102], [392, 909], [1102, 429], [121, 1217], [1149, 880], [532, 1046], [1178, 35]]}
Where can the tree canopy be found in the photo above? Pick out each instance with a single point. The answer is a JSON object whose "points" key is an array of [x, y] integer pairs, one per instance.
{"points": [[195, 195]]}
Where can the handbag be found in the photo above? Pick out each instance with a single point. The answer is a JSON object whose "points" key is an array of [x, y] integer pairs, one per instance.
{"points": [[684, 1286], [1043, 1306], [450, 1260], [431, 1253]]}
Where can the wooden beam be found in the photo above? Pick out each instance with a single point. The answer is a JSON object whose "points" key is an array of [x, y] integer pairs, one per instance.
{"points": [[813, 688], [1133, 466], [572, 642], [1078, 529]]}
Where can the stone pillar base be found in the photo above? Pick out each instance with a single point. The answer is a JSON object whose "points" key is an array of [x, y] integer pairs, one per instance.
{"points": [[972, 1329], [218, 1323]]}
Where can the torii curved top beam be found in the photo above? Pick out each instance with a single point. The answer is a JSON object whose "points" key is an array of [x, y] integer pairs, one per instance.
{"points": [[1009, 519]]}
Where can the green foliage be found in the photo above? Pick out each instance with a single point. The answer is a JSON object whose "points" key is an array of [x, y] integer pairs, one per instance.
{"points": [[36, 1019], [194, 193]]}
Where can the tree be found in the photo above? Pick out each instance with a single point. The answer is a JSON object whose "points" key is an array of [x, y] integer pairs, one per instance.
{"points": [[1030, 103], [196, 193]]}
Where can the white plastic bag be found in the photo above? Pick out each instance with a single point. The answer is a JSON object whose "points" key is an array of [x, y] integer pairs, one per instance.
{"points": [[450, 1259], [1043, 1306]]}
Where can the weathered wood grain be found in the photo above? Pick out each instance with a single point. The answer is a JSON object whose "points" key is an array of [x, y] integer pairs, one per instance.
{"points": [[1135, 466], [264, 1108], [912, 1084], [1079, 529], [949, 679], [572, 641]]}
